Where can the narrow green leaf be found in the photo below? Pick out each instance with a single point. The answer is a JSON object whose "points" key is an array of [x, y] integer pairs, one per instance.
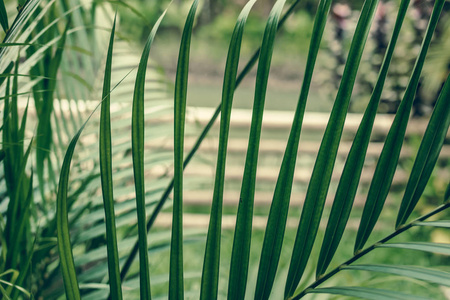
{"points": [[3, 17], [438, 248], [427, 156], [323, 168], [62, 225], [387, 163], [137, 140], [430, 275], [349, 181], [276, 223], [210, 274], [443, 223], [243, 229], [366, 293], [176, 286], [115, 288], [62, 221]]}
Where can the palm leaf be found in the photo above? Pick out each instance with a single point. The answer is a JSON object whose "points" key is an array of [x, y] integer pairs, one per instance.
{"points": [[349, 181], [241, 244], [365, 293], [64, 245], [427, 155], [3, 17], [106, 177], [430, 275], [210, 274], [176, 286], [138, 162], [276, 222], [323, 168], [438, 248], [44, 133], [443, 224], [247, 68], [387, 163]]}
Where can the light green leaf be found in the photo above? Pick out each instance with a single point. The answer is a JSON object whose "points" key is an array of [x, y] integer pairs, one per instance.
{"points": [[430, 275], [443, 223], [366, 293], [438, 248]]}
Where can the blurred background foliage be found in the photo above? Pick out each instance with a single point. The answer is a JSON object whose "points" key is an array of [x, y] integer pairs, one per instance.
{"points": [[216, 21]]}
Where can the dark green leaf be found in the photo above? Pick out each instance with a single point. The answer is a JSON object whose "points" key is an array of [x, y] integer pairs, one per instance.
{"points": [[137, 141], [210, 274], [3, 16], [106, 178], [62, 225], [247, 68], [17, 208], [44, 130], [427, 156], [387, 163], [241, 245], [349, 181], [323, 168], [176, 286], [276, 223]]}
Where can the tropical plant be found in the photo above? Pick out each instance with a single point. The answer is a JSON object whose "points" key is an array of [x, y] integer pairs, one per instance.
{"points": [[103, 257]]}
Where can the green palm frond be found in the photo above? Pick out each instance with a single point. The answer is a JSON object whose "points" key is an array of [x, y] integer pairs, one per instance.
{"points": [[98, 193]]}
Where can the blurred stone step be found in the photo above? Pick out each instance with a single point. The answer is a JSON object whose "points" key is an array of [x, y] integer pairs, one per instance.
{"points": [[272, 146], [231, 198], [268, 174], [229, 221]]}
